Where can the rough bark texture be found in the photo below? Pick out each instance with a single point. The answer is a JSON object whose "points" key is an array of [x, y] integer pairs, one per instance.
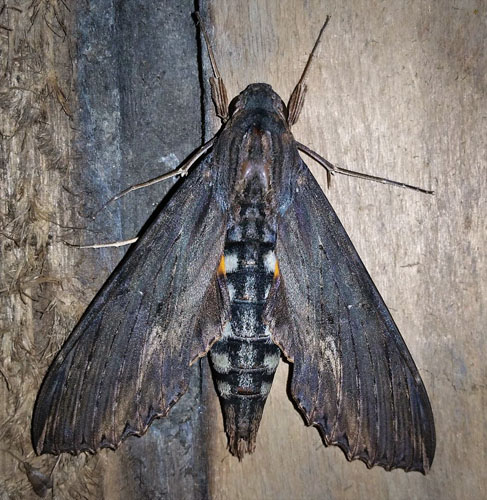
{"points": [[127, 74], [398, 89]]}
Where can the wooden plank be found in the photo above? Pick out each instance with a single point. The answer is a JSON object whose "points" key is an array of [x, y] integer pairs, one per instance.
{"points": [[127, 72], [37, 97], [398, 90], [140, 117]]}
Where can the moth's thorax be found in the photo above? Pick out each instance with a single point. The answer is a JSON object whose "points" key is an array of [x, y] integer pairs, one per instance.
{"points": [[255, 152], [255, 164], [258, 138]]}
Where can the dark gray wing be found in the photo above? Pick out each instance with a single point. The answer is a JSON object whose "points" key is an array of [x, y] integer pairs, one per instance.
{"points": [[353, 376], [127, 361]]}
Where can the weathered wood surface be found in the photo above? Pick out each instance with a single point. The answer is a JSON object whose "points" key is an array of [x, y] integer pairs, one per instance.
{"points": [[398, 89], [128, 73], [36, 80], [140, 116]]}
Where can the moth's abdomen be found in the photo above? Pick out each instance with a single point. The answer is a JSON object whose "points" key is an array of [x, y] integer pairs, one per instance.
{"points": [[243, 386], [245, 359]]}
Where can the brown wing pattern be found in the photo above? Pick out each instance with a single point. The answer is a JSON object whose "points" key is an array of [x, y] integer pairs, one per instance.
{"points": [[353, 376], [127, 360]]}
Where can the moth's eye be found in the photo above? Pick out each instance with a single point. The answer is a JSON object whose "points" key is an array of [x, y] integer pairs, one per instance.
{"points": [[278, 105], [235, 105]]}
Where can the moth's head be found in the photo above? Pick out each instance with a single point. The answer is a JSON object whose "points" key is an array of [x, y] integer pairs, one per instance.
{"points": [[259, 96]]}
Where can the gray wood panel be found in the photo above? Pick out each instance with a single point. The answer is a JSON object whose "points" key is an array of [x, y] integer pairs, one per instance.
{"points": [[129, 71]]}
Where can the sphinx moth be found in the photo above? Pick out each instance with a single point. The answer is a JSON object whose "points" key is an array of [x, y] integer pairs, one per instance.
{"points": [[247, 262]]}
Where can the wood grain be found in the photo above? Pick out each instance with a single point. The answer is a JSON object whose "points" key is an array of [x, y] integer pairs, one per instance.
{"points": [[119, 66], [397, 90]]}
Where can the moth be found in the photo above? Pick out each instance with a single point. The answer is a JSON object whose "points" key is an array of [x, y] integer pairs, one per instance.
{"points": [[247, 262]]}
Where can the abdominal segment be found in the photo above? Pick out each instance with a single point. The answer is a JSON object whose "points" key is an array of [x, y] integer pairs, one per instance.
{"points": [[245, 359]]}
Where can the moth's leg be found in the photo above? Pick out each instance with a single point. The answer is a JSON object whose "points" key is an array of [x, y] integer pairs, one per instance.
{"points": [[332, 169], [182, 170], [296, 101], [119, 243], [218, 90]]}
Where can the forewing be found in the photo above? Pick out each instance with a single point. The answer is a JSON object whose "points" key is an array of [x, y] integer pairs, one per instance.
{"points": [[127, 361], [353, 376]]}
